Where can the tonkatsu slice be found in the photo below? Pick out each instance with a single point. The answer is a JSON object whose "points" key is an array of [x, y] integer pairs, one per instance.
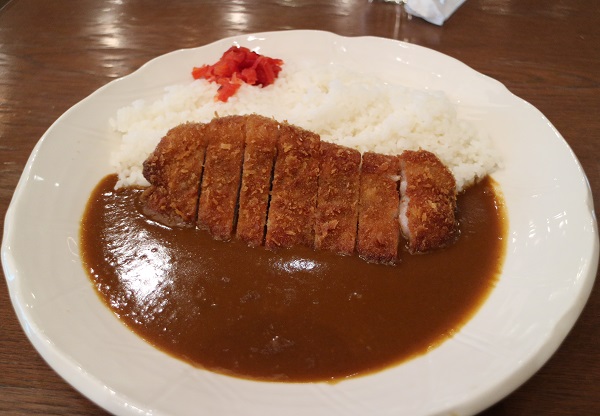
{"points": [[428, 203], [174, 170], [222, 176], [337, 199], [259, 156], [291, 214], [378, 228]]}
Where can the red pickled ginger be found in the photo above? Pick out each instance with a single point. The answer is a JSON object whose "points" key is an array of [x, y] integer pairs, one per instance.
{"points": [[239, 65]]}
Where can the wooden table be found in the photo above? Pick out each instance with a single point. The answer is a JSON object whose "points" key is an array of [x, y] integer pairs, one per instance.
{"points": [[55, 53]]}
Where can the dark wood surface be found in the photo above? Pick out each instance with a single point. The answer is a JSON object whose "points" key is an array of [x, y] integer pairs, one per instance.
{"points": [[55, 53]]}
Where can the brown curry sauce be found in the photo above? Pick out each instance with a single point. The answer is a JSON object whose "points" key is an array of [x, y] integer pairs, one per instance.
{"points": [[294, 315]]}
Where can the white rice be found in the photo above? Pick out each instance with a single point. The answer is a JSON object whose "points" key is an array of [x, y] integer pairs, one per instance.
{"points": [[342, 106]]}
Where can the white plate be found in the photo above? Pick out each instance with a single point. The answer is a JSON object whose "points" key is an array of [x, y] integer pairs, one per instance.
{"points": [[550, 265]]}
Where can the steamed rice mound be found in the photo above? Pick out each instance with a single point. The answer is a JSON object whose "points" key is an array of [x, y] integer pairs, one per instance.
{"points": [[342, 106]]}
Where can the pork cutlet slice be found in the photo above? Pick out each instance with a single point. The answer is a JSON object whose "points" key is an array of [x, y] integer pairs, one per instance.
{"points": [[291, 214], [337, 199], [428, 203], [378, 227], [221, 177], [259, 157], [174, 170]]}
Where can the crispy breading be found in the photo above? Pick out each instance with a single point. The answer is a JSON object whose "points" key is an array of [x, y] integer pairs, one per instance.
{"points": [[259, 156], [174, 170], [291, 214], [428, 203], [337, 199], [278, 185], [378, 228], [222, 176]]}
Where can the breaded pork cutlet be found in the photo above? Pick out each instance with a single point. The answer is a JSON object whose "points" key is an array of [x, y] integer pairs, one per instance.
{"points": [[291, 214], [337, 199], [278, 184], [378, 228], [428, 203], [174, 170], [259, 157], [222, 175]]}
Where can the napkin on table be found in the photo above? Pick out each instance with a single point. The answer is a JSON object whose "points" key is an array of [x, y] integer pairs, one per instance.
{"points": [[434, 11]]}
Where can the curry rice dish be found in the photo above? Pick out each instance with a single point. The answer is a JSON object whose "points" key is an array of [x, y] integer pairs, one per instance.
{"points": [[178, 261]]}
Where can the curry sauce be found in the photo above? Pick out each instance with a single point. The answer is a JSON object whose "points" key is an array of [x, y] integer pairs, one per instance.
{"points": [[296, 315]]}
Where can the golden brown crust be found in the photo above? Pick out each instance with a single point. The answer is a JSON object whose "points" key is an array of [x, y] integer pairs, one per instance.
{"points": [[321, 194], [337, 199], [259, 156], [221, 178], [431, 201], [378, 227], [174, 170], [294, 192]]}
